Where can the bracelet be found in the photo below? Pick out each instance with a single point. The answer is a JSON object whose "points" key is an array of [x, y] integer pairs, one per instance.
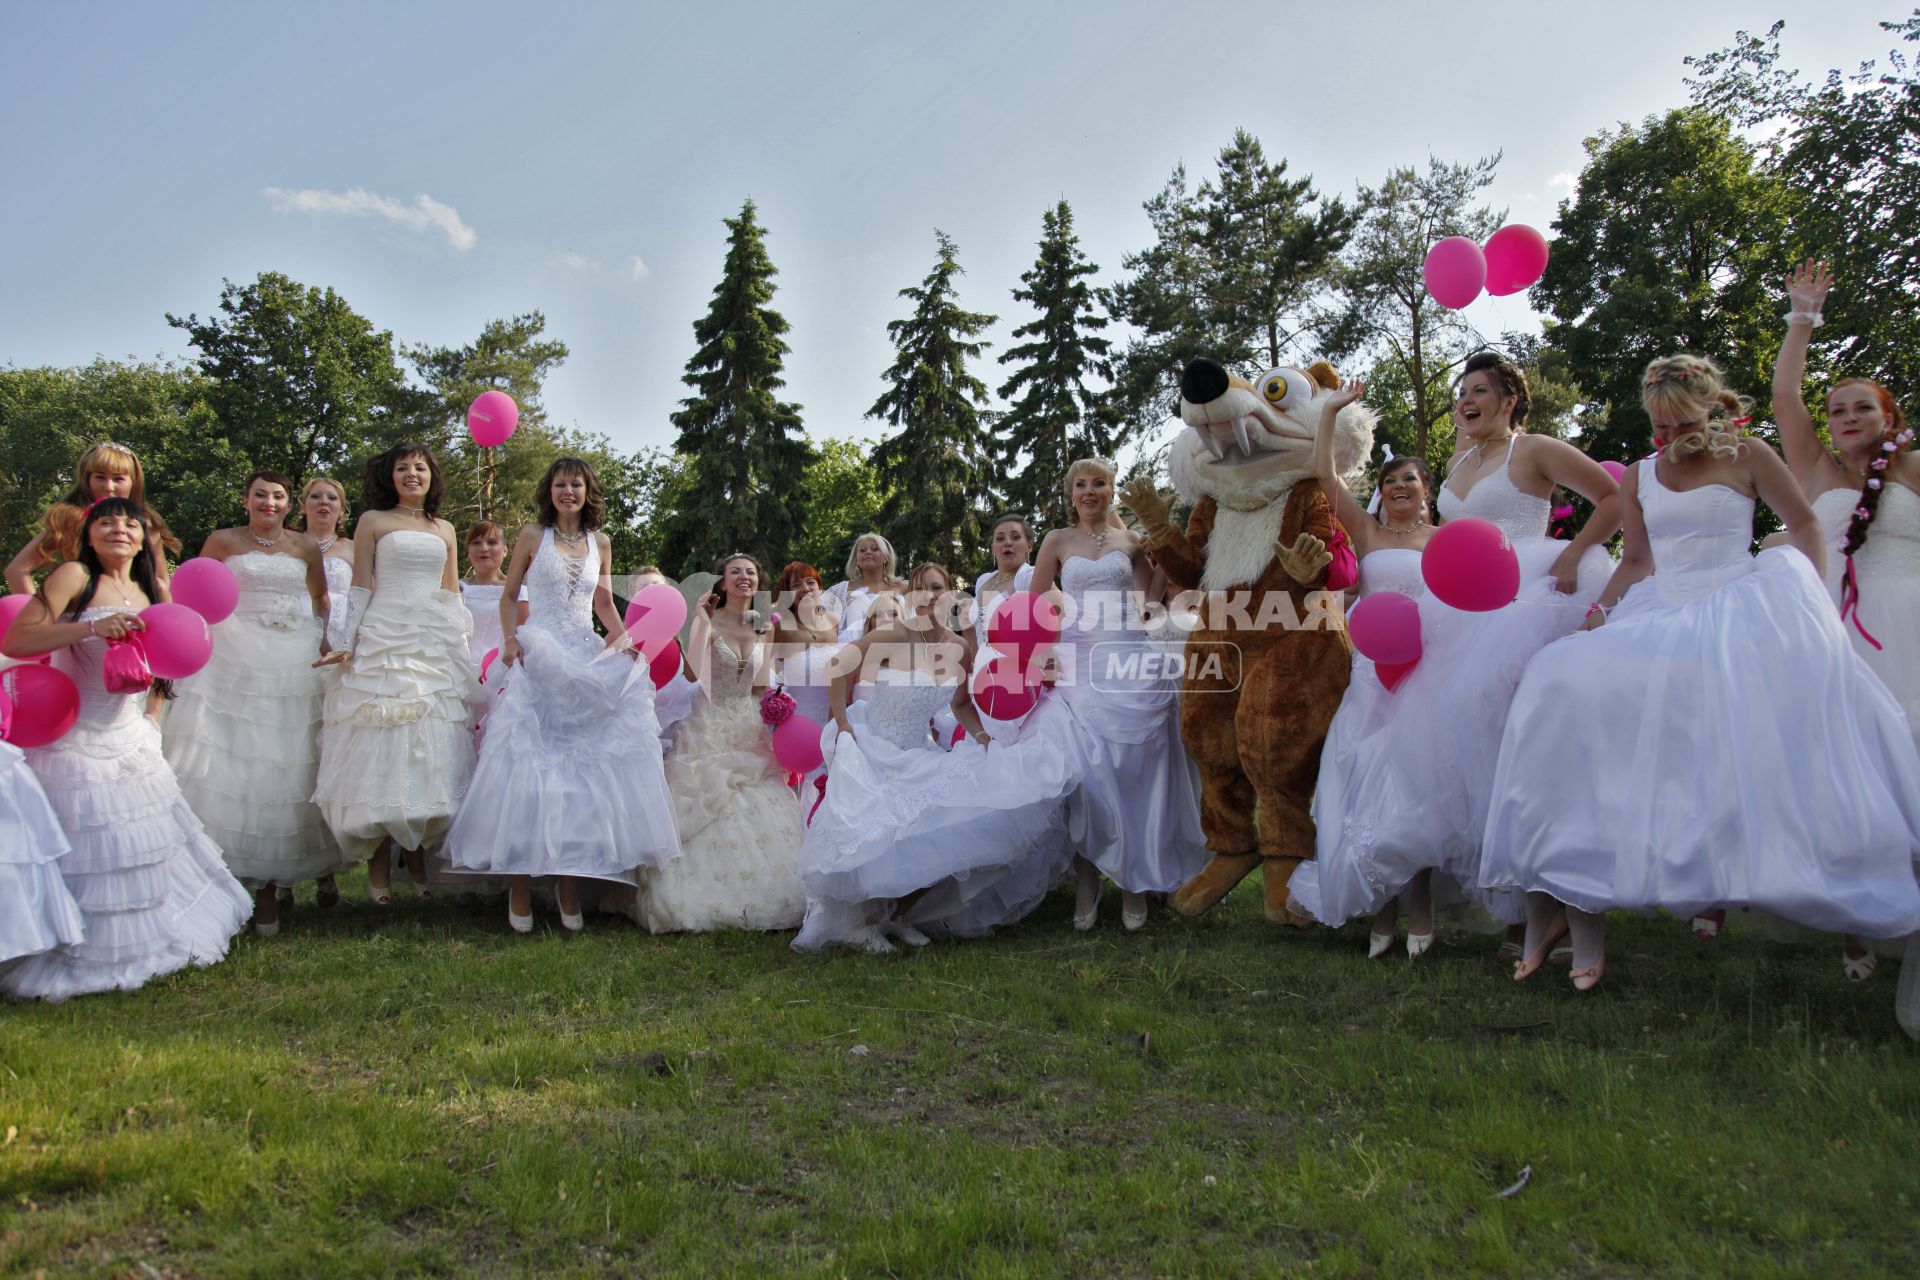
{"points": [[1597, 607], [1813, 318], [90, 630]]}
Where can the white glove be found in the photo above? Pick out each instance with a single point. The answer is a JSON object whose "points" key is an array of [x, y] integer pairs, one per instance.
{"points": [[357, 598]]}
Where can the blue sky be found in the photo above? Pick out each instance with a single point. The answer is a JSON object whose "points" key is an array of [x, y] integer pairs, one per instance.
{"points": [[441, 164]]}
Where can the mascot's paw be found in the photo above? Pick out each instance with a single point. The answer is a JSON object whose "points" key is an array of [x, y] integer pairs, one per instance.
{"points": [[1304, 560], [1214, 883], [1278, 875], [1144, 500]]}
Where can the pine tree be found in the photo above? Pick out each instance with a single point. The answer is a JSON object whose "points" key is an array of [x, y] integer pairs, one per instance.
{"points": [[1055, 418], [747, 448], [936, 470]]}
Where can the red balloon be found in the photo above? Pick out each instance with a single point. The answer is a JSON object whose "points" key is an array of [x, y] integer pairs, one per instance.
{"points": [[492, 417], [1455, 271], [1470, 565], [796, 744], [1516, 257], [206, 586], [1386, 627], [177, 640], [1392, 673], [1001, 689], [665, 664], [1023, 623], [45, 704]]}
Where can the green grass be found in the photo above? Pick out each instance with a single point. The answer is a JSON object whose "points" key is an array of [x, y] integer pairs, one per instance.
{"points": [[417, 1091]]}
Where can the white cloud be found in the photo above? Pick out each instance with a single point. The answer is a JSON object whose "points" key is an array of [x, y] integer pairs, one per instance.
{"points": [[1564, 181], [637, 269], [578, 262], [424, 214]]}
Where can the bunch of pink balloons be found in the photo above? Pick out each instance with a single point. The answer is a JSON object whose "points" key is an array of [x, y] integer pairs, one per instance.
{"points": [[42, 705], [208, 587], [176, 639], [1457, 270], [1023, 626], [1470, 565], [491, 418]]}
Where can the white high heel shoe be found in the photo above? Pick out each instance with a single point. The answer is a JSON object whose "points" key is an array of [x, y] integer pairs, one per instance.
{"points": [[1418, 943], [1133, 918], [1378, 944], [518, 923]]}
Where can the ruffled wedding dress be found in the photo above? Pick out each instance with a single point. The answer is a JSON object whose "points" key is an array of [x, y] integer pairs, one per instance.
{"points": [[153, 893], [243, 735]]}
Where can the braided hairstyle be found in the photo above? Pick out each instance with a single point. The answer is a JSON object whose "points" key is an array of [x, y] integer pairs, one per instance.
{"points": [[1695, 387], [1895, 442]]}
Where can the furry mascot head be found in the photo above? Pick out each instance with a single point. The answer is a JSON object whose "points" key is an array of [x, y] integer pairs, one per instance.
{"points": [[1251, 442]]}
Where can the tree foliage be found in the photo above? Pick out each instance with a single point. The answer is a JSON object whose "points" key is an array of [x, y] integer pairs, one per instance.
{"points": [[1848, 149], [1676, 240], [1054, 417], [936, 469], [746, 446], [1383, 310], [1234, 270], [846, 499], [299, 381]]}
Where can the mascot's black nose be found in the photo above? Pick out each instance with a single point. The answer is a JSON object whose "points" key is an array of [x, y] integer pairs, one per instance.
{"points": [[1203, 381]]}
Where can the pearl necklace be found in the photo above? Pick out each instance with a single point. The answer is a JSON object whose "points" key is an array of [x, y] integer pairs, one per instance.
{"points": [[1394, 528], [570, 539]]}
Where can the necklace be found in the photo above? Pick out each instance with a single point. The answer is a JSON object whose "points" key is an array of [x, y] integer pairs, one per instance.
{"points": [[1099, 537], [570, 539], [412, 511], [1481, 447], [327, 545], [1394, 528], [274, 541]]}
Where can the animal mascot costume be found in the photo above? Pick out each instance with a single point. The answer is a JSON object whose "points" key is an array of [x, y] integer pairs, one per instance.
{"points": [[1269, 661]]}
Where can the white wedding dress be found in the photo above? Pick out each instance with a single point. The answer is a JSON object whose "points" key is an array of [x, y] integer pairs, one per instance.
{"points": [[740, 824], [396, 749], [243, 734], [569, 780], [36, 911], [1717, 743], [153, 893]]}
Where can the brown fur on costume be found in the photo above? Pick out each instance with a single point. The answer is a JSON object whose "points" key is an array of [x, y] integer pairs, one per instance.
{"points": [[1255, 716]]}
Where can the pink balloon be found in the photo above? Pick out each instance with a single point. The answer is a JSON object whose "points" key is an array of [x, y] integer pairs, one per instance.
{"points": [[1456, 271], [45, 705], [1392, 673], [1615, 469], [486, 661], [1470, 565], [665, 664], [796, 744], [207, 587], [1022, 624], [177, 640], [1386, 627], [492, 417], [654, 616], [10, 607], [1001, 691], [1516, 257], [6, 713]]}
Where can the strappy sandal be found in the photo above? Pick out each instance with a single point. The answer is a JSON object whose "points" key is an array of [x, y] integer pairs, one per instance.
{"points": [[1530, 964]]}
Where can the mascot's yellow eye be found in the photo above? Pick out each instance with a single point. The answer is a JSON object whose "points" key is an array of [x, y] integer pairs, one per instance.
{"points": [[1285, 388]]}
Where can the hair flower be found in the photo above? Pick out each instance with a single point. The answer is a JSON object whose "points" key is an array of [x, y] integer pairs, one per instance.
{"points": [[1863, 513], [1873, 482], [1878, 464]]}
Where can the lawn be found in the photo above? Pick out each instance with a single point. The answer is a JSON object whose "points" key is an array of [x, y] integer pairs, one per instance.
{"points": [[418, 1091]]}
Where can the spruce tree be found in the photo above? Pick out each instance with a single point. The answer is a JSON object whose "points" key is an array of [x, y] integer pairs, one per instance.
{"points": [[747, 448], [1054, 418], [937, 469]]}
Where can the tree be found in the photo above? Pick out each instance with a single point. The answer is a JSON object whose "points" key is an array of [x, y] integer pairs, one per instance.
{"points": [[1233, 273], [1848, 148], [936, 470], [747, 448], [301, 382], [659, 482], [511, 356], [1385, 311], [49, 417], [1676, 241], [846, 501], [1055, 418]]}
